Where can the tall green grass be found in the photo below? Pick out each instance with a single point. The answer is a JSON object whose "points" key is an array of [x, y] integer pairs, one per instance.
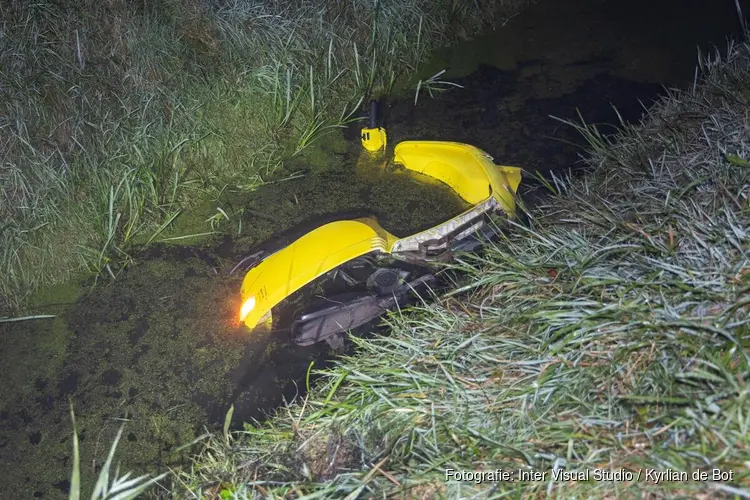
{"points": [[612, 332], [114, 116]]}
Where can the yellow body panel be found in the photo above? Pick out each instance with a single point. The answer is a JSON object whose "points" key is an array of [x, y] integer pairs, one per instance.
{"points": [[465, 168], [309, 257]]}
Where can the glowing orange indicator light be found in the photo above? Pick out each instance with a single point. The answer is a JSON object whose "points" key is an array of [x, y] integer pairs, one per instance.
{"points": [[248, 306]]}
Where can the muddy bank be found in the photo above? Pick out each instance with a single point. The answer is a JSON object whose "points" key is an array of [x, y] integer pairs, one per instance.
{"points": [[159, 347]]}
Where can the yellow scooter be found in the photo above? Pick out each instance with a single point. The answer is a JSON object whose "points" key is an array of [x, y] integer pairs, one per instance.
{"points": [[352, 252]]}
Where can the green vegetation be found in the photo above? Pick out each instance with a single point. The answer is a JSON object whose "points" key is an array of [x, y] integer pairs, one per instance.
{"points": [[117, 116], [120, 486], [121, 124], [610, 333], [154, 351]]}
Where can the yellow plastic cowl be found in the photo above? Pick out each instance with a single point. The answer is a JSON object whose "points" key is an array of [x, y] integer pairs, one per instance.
{"points": [[374, 139], [468, 170], [311, 256]]}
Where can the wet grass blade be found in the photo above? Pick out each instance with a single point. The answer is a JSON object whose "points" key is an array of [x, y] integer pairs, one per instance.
{"points": [[75, 478], [227, 423], [27, 318]]}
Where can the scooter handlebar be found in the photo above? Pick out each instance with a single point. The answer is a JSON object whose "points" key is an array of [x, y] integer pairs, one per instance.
{"points": [[373, 114]]}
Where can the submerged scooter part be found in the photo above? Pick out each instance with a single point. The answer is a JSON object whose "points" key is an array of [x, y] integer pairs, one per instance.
{"points": [[373, 137], [469, 171], [386, 280], [329, 323], [316, 253]]}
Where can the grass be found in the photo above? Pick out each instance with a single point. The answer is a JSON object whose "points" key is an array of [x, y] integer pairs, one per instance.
{"points": [[108, 486], [116, 117], [433, 84], [611, 333]]}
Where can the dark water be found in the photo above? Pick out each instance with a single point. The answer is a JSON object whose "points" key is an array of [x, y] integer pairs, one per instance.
{"points": [[561, 59], [160, 349]]}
